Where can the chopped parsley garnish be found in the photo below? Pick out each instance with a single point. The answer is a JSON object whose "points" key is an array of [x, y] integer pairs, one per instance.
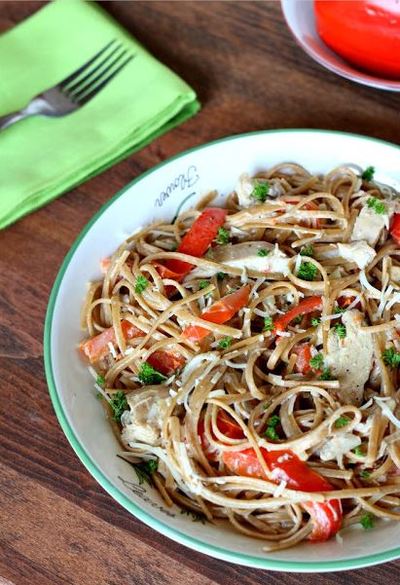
{"points": [[225, 342], [307, 250], [144, 470], [359, 451], [340, 330], [338, 310], [326, 374], [223, 236], [317, 361], [152, 465], [100, 380], [297, 320], [342, 421], [367, 521], [148, 375], [260, 191], [203, 284], [391, 357], [268, 324], [377, 205], [307, 271], [315, 321], [119, 404], [196, 516], [221, 275], [270, 431], [141, 284], [263, 252], [368, 174], [365, 474]]}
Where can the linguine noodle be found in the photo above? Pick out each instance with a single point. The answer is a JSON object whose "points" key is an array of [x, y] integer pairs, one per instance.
{"points": [[306, 367]]}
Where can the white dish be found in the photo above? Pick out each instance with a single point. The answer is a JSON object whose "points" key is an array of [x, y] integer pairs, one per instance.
{"points": [[157, 194], [299, 15]]}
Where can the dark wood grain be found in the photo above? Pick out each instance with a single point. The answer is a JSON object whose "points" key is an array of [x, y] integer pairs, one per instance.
{"points": [[57, 526]]}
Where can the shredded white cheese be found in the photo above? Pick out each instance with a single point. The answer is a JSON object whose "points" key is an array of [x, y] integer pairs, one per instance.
{"points": [[354, 303], [284, 333], [280, 489], [104, 394], [374, 292], [93, 372], [112, 349], [367, 404], [387, 406]]}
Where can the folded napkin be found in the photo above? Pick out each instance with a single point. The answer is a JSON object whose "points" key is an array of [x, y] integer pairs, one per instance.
{"points": [[43, 157]]}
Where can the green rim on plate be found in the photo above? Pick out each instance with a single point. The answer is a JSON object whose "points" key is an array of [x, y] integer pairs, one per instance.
{"points": [[160, 526]]}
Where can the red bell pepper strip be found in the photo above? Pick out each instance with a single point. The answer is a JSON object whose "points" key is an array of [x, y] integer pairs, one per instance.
{"points": [[166, 272], [395, 228], [227, 426], [284, 466], [196, 241], [95, 348], [166, 362], [305, 306], [220, 312], [303, 352]]}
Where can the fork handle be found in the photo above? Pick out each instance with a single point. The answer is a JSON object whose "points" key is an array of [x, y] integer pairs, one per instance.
{"points": [[10, 119]]}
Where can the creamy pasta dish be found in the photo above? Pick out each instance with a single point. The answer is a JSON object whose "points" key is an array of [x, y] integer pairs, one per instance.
{"points": [[248, 355]]}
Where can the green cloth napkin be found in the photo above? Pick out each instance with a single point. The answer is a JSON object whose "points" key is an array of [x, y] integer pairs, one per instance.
{"points": [[43, 157]]}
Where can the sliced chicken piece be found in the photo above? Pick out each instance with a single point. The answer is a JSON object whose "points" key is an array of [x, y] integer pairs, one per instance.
{"points": [[350, 359], [258, 256], [369, 224], [245, 187], [359, 252], [144, 419]]}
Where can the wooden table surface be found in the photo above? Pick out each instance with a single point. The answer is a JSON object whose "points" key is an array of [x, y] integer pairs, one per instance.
{"points": [[57, 525]]}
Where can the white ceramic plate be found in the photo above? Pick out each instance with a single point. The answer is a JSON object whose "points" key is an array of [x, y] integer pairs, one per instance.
{"points": [[157, 195], [299, 15]]}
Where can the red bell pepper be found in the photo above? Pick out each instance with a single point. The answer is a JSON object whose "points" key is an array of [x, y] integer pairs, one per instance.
{"points": [[284, 466], [305, 306], [227, 426], [95, 348], [395, 228], [303, 352], [220, 312], [195, 242], [166, 362]]}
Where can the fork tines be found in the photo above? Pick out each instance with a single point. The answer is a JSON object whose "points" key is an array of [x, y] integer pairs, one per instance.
{"points": [[92, 76]]}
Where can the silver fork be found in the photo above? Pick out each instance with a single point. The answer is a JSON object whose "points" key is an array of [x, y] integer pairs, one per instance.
{"points": [[77, 89]]}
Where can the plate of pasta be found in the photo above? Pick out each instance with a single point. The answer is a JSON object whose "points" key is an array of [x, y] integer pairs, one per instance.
{"points": [[222, 349]]}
